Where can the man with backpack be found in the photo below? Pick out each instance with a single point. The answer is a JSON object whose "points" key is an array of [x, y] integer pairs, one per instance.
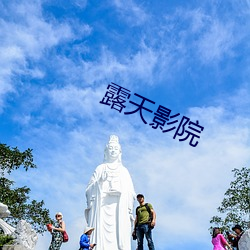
{"points": [[144, 223]]}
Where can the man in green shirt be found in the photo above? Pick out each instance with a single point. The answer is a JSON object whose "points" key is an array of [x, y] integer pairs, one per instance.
{"points": [[144, 223]]}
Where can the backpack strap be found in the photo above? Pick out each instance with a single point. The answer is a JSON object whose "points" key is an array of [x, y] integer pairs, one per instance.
{"points": [[137, 210], [147, 207]]}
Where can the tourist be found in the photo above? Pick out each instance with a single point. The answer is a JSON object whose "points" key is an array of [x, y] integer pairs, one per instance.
{"points": [[85, 239], [239, 231], [218, 240], [56, 231], [144, 223]]}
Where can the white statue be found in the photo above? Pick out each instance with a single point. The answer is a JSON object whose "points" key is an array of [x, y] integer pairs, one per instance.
{"points": [[244, 242], [25, 235], [110, 197], [4, 212]]}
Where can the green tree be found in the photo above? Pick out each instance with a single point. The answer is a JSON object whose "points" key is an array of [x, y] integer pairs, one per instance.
{"points": [[235, 206], [17, 199]]}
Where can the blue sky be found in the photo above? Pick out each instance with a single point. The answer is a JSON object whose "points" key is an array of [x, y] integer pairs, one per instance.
{"points": [[192, 57]]}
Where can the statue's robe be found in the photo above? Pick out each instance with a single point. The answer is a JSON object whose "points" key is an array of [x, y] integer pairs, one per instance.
{"points": [[244, 242]]}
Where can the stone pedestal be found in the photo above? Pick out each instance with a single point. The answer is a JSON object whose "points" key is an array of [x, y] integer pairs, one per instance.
{"points": [[13, 247]]}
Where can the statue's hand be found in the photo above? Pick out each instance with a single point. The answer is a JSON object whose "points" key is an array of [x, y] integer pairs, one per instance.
{"points": [[104, 176]]}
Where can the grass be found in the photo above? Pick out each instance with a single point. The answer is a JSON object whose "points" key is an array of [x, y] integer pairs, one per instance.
{"points": [[6, 240]]}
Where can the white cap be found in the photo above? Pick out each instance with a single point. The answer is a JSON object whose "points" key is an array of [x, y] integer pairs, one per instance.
{"points": [[59, 213]]}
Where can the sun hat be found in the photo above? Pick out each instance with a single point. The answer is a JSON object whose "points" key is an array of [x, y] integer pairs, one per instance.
{"points": [[87, 229]]}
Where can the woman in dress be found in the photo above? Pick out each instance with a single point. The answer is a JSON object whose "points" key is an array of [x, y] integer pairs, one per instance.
{"points": [[218, 240], [56, 231]]}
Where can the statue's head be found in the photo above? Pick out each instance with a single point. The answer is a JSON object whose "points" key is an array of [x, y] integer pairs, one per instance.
{"points": [[113, 150], [4, 211]]}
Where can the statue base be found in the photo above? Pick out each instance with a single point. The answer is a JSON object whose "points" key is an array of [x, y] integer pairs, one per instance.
{"points": [[12, 247]]}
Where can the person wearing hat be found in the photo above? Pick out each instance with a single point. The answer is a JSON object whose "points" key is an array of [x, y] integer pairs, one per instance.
{"points": [[56, 231], [239, 231], [84, 240]]}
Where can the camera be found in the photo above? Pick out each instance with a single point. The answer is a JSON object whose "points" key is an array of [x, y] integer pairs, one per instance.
{"points": [[134, 235]]}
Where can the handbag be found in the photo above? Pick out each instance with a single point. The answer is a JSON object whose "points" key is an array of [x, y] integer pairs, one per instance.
{"points": [[49, 227], [65, 236]]}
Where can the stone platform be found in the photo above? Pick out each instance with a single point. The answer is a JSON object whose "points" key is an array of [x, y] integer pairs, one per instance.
{"points": [[13, 247]]}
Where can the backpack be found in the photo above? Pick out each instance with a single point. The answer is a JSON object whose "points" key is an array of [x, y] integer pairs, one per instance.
{"points": [[149, 212]]}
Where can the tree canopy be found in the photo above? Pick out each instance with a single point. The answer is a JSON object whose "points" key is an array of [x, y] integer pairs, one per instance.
{"points": [[13, 158], [235, 207], [17, 199]]}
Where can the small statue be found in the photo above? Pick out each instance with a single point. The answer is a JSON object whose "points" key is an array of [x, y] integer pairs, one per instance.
{"points": [[23, 234]]}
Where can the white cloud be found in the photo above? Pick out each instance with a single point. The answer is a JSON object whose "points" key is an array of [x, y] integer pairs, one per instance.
{"points": [[131, 12], [143, 63], [106, 67], [187, 184], [200, 33], [32, 33], [184, 184], [198, 20], [76, 101], [217, 42], [80, 3], [139, 66], [26, 35], [69, 127], [240, 101]]}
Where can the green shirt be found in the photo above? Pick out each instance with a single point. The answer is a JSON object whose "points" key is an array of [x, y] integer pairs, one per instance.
{"points": [[142, 214]]}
